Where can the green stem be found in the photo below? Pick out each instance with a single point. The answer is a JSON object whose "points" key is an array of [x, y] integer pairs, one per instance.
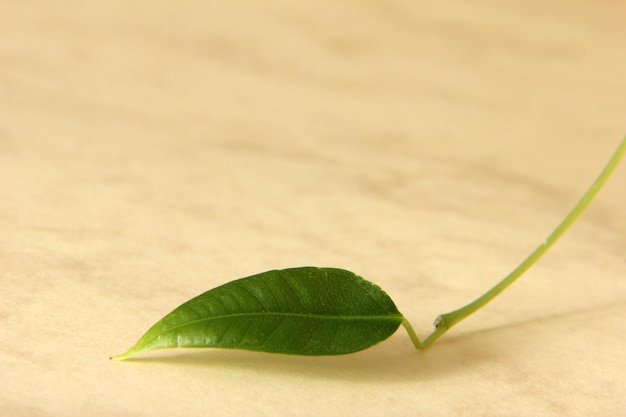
{"points": [[445, 321]]}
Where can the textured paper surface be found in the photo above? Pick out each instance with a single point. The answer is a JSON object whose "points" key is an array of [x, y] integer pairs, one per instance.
{"points": [[150, 151]]}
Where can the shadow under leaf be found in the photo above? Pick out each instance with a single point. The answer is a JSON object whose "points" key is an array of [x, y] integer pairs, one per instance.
{"points": [[395, 361]]}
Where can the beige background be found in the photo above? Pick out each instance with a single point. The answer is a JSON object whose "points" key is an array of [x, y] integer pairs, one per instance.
{"points": [[150, 151]]}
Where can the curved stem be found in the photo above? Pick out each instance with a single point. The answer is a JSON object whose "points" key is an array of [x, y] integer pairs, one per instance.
{"points": [[429, 340], [447, 320]]}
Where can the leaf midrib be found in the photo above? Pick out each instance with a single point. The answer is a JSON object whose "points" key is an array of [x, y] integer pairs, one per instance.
{"points": [[392, 318]]}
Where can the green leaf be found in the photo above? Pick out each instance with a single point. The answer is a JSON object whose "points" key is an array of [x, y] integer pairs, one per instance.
{"points": [[300, 311], [318, 311]]}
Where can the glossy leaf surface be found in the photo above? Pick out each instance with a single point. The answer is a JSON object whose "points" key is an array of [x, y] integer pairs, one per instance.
{"points": [[302, 311]]}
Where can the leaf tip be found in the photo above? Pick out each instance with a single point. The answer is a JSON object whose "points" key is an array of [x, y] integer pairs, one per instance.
{"points": [[121, 356]]}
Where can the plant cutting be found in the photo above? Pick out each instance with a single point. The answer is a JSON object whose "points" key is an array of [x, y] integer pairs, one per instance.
{"points": [[317, 311]]}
